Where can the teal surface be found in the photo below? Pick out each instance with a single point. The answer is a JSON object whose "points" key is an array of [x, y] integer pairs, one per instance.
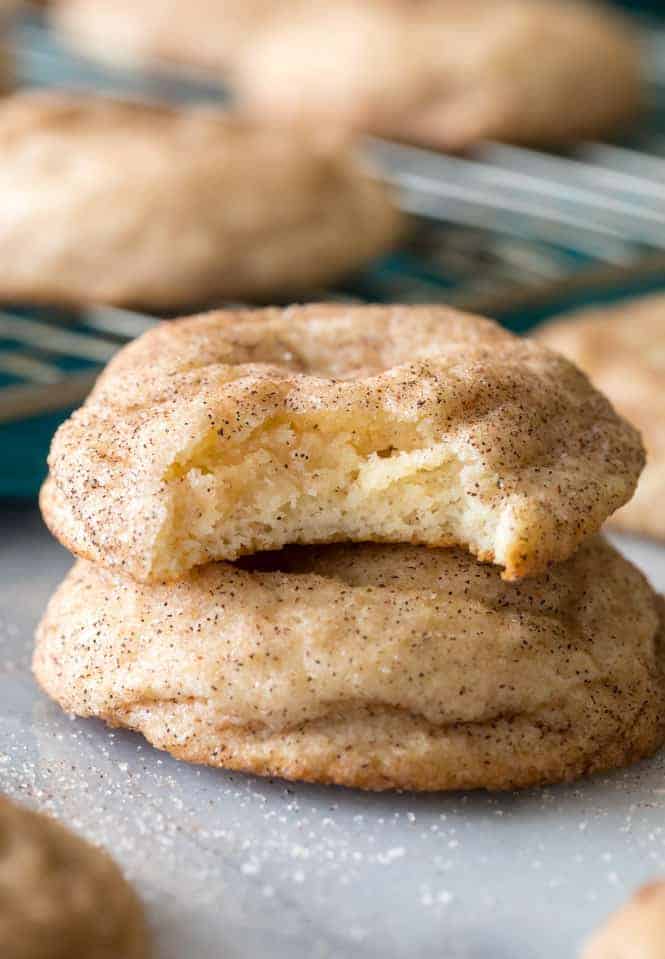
{"points": [[27, 442], [26, 445]]}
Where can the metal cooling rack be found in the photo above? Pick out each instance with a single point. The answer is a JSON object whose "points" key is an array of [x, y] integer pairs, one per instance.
{"points": [[509, 231]]}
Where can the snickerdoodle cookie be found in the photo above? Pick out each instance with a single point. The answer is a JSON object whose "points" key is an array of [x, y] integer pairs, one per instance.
{"points": [[231, 432], [442, 72], [636, 931], [622, 348], [236, 431], [61, 898], [159, 208], [370, 665]]}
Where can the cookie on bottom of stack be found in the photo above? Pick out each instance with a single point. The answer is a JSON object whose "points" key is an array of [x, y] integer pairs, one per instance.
{"points": [[60, 897], [371, 666]]}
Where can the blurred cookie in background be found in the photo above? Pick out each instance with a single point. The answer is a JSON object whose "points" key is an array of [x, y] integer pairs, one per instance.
{"points": [[635, 931], [203, 34], [6, 68], [622, 348], [443, 73], [60, 897], [7, 10], [159, 208]]}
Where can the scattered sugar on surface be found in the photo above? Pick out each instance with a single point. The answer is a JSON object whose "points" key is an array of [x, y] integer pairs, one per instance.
{"points": [[233, 841], [225, 858]]}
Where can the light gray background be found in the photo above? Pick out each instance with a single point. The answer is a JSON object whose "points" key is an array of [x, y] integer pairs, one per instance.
{"points": [[238, 867]]}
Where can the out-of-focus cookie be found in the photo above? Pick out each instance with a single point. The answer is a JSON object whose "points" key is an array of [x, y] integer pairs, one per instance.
{"points": [[437, 72], [622, 348], [204, 34], [6, 67], [636, 931], [371, 666], [7, 10], [223, 434], [159, 208], [61, 898]]}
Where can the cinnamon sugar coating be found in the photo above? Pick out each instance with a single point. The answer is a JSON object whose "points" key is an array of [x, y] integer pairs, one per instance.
{"points": [[232, 432], [371, 666]]}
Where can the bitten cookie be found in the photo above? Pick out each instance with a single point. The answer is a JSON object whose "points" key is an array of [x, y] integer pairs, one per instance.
{"points": [[231, 432], [636, 931], [61, 898], [622, 348], [159, 208], [371, 666], [437, 72]]}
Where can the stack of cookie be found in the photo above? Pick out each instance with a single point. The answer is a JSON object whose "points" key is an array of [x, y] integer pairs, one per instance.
{"points": [[353, 545]]}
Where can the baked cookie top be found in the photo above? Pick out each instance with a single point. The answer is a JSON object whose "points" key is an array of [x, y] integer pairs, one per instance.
{"points": [[622, 348], [231, 432], [437, 72], [61, 898], [369, 664], [159, 208]]}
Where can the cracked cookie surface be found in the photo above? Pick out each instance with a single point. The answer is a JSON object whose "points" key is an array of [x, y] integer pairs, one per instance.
{"points": [[220, 435], [371, 666]]}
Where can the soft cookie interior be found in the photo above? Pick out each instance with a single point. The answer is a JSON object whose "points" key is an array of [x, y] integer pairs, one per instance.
{"points": [[313, 479], [224, 434]]}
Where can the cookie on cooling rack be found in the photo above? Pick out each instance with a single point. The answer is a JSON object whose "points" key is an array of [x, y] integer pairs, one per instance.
{"points": [[61, 898], [6, 69], [370, 665], [622, 348], [158, 208], [243, 430], [435, 72], [7, 10]]}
